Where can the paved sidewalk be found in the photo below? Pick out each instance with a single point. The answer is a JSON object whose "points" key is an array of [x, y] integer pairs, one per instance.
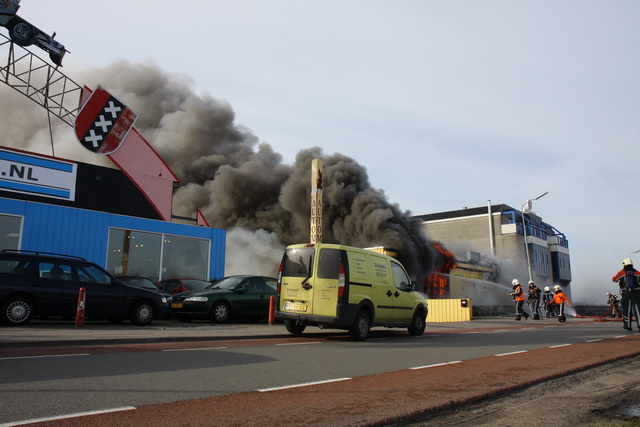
{"points": [[58, 333]]}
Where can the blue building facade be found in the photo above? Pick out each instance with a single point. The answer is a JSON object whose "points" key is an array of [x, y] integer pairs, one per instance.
{"points": [[101, 216]]}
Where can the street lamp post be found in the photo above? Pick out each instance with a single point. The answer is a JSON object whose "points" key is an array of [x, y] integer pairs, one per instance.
{"points": [[526, 208]]}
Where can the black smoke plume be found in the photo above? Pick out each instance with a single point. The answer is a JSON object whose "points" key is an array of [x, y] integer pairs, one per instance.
{"points": [[239, 182]]}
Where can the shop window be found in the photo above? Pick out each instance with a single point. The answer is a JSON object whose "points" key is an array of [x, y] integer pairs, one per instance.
{"points": [[157, 256], [185, 257], [134, 253], [10, 231]]}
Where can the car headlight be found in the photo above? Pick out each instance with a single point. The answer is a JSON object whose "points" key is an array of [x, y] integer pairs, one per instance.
{"points": [[164, 300], [195, 299]]}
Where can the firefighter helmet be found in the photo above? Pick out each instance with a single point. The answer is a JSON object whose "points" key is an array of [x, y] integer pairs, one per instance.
{"points": [[515, 282], [546, 289], [627, 261], [557, 288]]}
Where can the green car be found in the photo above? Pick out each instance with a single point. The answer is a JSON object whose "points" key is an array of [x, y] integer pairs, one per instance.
{"points": [[231, 297]]}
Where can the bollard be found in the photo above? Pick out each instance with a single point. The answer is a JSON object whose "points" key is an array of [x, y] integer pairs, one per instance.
{"points": [[80, 309], [272, 310]]}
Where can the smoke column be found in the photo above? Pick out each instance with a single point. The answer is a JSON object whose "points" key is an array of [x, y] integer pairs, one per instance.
{"points": [[239, 183]]}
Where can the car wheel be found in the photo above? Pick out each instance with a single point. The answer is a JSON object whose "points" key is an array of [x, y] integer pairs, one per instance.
{"points": [[418, 324], [361, 325], [142, 313], [294, 327], [220, 312], [17, 311], [21, 32]]}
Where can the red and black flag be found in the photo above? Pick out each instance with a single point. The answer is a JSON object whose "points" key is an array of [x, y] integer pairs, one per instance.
{"points": [[103, 122]]}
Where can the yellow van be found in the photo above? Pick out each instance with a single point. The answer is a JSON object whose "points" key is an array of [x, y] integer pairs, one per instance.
{"points": [[335, 286]]}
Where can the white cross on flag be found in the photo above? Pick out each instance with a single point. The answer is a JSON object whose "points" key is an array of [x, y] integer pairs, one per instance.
{"points": [[103, 122]]}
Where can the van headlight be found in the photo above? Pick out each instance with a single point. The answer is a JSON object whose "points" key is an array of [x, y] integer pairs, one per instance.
{"points": [[195, 299]]}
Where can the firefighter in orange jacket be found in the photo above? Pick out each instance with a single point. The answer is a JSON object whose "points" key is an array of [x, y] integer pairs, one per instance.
{"points": [[629, 281], [559, 298], [518, 297]]}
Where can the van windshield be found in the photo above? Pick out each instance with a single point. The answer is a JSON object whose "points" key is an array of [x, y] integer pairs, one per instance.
{"points": [[296, 262]]}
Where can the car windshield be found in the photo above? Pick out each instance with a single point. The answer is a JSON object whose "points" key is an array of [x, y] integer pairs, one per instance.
{"points": [[195, 285], [227, 283]]}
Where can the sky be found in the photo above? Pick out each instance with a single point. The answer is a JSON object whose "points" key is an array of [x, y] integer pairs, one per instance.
{"points": [[447, 103]]}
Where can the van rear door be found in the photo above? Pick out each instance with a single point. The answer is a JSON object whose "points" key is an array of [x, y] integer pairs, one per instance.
{"points": [[309, 283], [327, 282], [296, 290]]}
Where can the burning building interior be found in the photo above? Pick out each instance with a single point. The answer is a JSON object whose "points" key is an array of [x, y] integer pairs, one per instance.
{"points": [[488, 246]]}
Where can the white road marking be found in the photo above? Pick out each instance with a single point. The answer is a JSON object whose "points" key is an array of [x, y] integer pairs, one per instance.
{"points": [[302, 384], [437, 364], [300, 343], [46, 355], [513, 352], [62, 417], [558, 346], [599, 339]]}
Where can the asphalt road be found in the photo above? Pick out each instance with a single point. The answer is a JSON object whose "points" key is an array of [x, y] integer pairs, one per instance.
{"points": [[164, 380]]}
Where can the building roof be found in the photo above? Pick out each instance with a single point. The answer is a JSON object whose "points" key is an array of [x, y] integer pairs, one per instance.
{"points": [[465, 212]]}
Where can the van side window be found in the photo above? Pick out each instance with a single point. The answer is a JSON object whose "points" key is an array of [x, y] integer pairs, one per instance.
{"points": [[400, 278], [328, 264], [296, 262]]}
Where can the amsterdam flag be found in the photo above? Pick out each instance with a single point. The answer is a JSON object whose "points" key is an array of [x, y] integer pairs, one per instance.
{"points": [[103, 122]]}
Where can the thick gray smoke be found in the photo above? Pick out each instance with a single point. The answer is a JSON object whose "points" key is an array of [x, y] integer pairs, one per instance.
{"points": [[237, 181]]}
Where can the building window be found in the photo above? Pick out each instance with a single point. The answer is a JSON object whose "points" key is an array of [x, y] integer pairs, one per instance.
{"points": [[157, 256], [134, 253], [10, 231], [540, 260], [185, 257]]}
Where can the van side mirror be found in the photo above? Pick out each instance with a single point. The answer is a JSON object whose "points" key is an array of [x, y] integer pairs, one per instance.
{"points": [[413, 286]]}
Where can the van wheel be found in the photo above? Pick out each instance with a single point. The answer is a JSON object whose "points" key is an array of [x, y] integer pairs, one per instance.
{"points": [[361, 325], [294, 327], [418, 324]]}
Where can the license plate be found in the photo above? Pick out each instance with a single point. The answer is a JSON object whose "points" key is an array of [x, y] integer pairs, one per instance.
{"points": [[176, 305], [292, 306]]}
